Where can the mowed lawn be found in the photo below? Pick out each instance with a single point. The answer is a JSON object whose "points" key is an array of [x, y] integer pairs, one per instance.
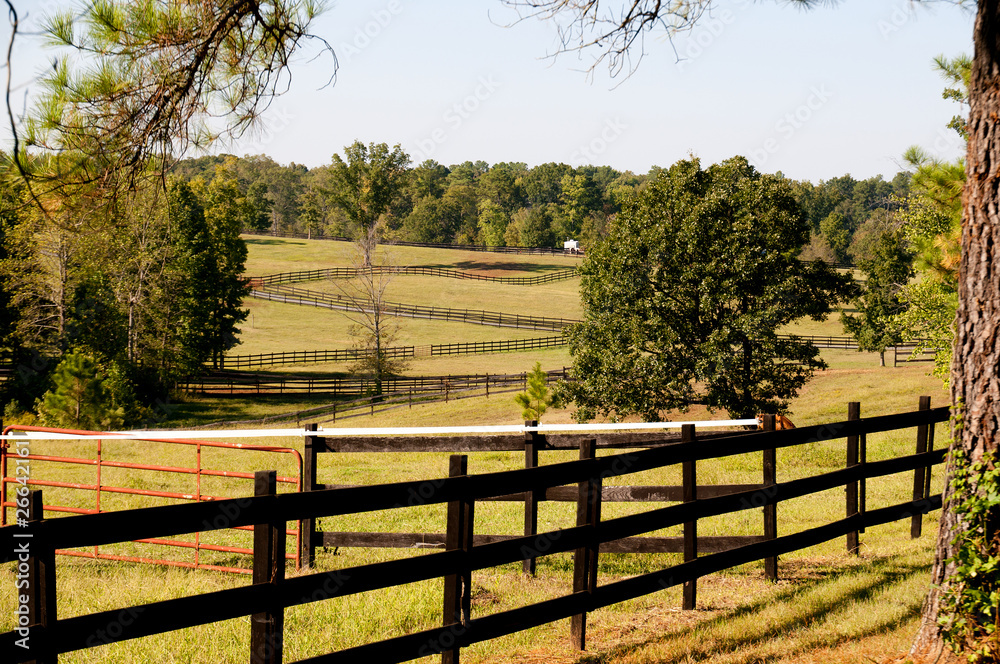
{"points": [[827, 607]]}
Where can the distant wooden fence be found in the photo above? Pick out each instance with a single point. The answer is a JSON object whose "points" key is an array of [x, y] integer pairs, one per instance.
{"points": [[428, 270], [242, 384], [545, 251], [32, 545], [292, 295], [474, 247], [239, 362]]}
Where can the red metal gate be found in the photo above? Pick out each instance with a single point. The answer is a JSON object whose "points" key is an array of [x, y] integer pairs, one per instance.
{"points": [[21, 452]]}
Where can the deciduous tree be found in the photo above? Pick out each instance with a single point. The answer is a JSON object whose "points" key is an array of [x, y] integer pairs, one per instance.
{"points": [[684, 299]]}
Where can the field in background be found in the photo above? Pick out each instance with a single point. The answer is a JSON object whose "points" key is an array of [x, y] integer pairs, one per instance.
{"points": [[827, 607]]}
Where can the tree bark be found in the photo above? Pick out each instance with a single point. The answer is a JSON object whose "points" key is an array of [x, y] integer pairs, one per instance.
{"points": [[975, 384]]}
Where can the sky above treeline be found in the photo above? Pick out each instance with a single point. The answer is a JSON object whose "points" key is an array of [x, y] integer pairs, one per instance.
{"points": [[814, 94]]}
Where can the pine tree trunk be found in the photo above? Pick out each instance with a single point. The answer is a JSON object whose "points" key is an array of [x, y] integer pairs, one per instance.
{"points": [[975, 384]]}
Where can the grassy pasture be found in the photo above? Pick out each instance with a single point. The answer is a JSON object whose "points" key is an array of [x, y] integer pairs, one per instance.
{"points": [[827, 607]]}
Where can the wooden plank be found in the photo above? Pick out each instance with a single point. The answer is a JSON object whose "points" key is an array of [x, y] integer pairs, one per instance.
{"points": [[770, 461], [307, 527], [41, 590], [457, 604], [853, 413], [626, 545], [916, 522], [533, 441], [585, 558], [267, 627], [690, 489]]}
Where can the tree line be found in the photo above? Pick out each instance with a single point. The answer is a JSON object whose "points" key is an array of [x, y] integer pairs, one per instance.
{"points": [[503, 204]]}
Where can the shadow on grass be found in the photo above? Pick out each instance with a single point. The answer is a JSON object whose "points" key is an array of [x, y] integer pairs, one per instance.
{"points": [[775, 616], [264, 242], [504, 266]]}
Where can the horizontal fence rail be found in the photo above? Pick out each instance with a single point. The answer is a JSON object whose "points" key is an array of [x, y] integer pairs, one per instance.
{"points": [[46, 636], [427, 270], [238, 362], [301, 296], [231, 382]]}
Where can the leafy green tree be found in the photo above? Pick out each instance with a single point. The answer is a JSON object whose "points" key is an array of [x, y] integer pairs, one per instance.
{"points": [[493, 223], [580, 199], [502, 185], [880, 251], [537, 399], [530, 227], [835, 230], [684, 298], [365, 184], [78, 399]]}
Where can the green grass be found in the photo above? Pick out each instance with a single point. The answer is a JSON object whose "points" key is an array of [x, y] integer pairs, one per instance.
{"points": [[828, 607]]}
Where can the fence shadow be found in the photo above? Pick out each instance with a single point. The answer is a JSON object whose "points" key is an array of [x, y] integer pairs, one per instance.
{"points": [[789, 622]]}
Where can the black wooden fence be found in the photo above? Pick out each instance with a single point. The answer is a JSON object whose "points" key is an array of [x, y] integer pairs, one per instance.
{"points": [[239, 362], [234, 383], [31, 545], [426, 270], [309, 298], [544, 251]]}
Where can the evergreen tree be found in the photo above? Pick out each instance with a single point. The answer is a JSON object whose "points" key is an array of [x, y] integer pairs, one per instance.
{"points": [[537, 399], [78, 399]]}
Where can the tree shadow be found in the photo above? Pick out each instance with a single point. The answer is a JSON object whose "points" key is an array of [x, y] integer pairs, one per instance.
{"points": [[803, 611], [265, 242], [506, 266]]}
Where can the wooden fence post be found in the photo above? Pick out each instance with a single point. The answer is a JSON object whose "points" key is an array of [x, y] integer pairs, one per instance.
{"points": [[41, 582], [588, 513], [690, 491], [532, 440], [307, 527], [267, 627], [922, 474], [458, 586], [851, 489], [770, 511]]}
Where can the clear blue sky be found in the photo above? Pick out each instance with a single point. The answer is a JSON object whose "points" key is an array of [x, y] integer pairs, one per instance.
{"points": [[814, 94]]}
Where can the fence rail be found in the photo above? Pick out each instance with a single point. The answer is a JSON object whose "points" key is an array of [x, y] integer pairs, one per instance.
{"points": [[301, 296], [239, 362], [268, 512], [428, 270], [230, 382]]}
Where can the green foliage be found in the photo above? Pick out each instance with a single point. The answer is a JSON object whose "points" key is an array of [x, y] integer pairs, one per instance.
{"points": [[365, 185], [969, 617], [684, 299], [537, 399], [880, 251], [78, 398], [209, 270]]}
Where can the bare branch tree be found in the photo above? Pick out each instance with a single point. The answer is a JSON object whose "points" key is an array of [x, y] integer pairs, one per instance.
{"points": [[615, 31]]}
